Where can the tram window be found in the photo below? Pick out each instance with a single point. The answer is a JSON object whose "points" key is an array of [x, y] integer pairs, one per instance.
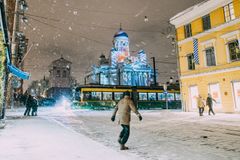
{"points": [[96, 95], [118, 95], [142, 96], [107, 95], [178, 96], [170, 96], [87, 96], [152, 97], [161, 96]]}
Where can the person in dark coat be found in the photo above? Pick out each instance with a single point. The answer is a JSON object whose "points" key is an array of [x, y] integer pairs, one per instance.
{"points": [[28, 104], [209, 103], [124, 108], [34, 105]]}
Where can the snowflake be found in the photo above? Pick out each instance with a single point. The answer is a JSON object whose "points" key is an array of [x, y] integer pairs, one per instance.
{"points": [[75, 13]]}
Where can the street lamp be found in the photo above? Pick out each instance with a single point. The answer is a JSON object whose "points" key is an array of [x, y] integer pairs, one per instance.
{"points": [[165, 86], [166, 96], [154, 71]]}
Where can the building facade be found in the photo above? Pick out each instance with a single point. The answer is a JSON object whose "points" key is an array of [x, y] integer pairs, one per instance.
{"points": [[2, 71], [121, 68], [208, 36], [60, 79]]}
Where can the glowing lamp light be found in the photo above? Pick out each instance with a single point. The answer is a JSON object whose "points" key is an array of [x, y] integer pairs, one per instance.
{"points": [[24, 19], [145, 19], [171, 80]]}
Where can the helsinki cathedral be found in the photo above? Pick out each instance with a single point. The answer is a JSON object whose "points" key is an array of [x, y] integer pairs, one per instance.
{"points": [[121, 68]]}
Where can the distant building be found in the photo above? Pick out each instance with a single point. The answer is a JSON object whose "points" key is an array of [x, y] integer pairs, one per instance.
{"points": [[60, 79], [209, 53], [121, 68], [39, 88]]}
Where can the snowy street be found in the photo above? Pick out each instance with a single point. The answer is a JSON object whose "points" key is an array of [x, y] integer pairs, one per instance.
{"points": [[60, 133]]}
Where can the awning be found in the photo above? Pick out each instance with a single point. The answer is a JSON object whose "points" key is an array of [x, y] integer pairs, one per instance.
{"points": [[14, 70], [3, 26], [17, 72]]}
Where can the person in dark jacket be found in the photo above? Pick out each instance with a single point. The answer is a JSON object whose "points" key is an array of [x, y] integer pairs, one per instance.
{"points": [[209, 103], [34, 105], [124, 108], [28, 102]]}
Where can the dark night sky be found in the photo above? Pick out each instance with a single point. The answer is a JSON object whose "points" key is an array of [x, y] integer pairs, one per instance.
{"points": [[81, 30]]}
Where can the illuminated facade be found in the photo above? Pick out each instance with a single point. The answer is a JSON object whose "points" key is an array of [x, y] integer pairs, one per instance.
{"points": [[121, 68], [215, 25]]}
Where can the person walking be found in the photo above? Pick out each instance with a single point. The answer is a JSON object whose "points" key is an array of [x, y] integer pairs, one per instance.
{"points": [[124, 108], [28, 104], [34, 106], [209, 103], [200, 104]]}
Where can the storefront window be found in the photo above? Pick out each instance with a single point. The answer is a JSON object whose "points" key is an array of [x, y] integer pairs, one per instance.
{"points": [[107, 95], [142, 96]]}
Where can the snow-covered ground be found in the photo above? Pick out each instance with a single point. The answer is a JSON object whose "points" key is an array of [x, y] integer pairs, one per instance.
{"points": [[162, 135]]}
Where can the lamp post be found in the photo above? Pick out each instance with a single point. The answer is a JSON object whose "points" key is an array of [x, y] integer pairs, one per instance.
{"points": [[99, 78], [154, 71], [165, 86], [119, 77], [166, 96]]}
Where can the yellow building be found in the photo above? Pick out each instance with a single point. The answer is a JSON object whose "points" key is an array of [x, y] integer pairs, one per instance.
{"points": [[213, 64]]}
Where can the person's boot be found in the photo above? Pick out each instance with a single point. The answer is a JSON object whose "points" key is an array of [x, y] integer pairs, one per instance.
{"points": [[123, 147]]}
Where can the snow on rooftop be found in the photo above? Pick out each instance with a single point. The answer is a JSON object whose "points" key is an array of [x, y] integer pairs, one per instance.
{"points": [[188, 10], [197, 11]]}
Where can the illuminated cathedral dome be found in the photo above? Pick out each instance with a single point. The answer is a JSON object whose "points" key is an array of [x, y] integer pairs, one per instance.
{"points": [[120, 33]]}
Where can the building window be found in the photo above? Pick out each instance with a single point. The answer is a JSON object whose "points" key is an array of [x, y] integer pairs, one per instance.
{"points": [[58, 73], [64, 74], [191, 63], [229, 12], [210, 57], [234, 52], [206, 22], [188, 30]]}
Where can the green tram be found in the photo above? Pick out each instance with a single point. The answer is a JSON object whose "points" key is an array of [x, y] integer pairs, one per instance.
{"points": [[106, 97]]}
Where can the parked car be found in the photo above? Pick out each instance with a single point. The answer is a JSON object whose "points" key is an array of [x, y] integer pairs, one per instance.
{"points": [[47, 102]]}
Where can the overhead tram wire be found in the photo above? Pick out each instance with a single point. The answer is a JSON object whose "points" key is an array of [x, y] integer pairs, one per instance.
{"points": [[92, 25], [110, 28], [47, 18], [82, 36], [165, 62]]}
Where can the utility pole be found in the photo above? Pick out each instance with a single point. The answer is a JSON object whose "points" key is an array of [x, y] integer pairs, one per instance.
{"points": [[119, 76], [19, 9], [154, 71], [13, 51]]}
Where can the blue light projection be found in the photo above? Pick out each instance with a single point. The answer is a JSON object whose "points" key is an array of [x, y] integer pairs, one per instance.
{"points": [[121, 68]]}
